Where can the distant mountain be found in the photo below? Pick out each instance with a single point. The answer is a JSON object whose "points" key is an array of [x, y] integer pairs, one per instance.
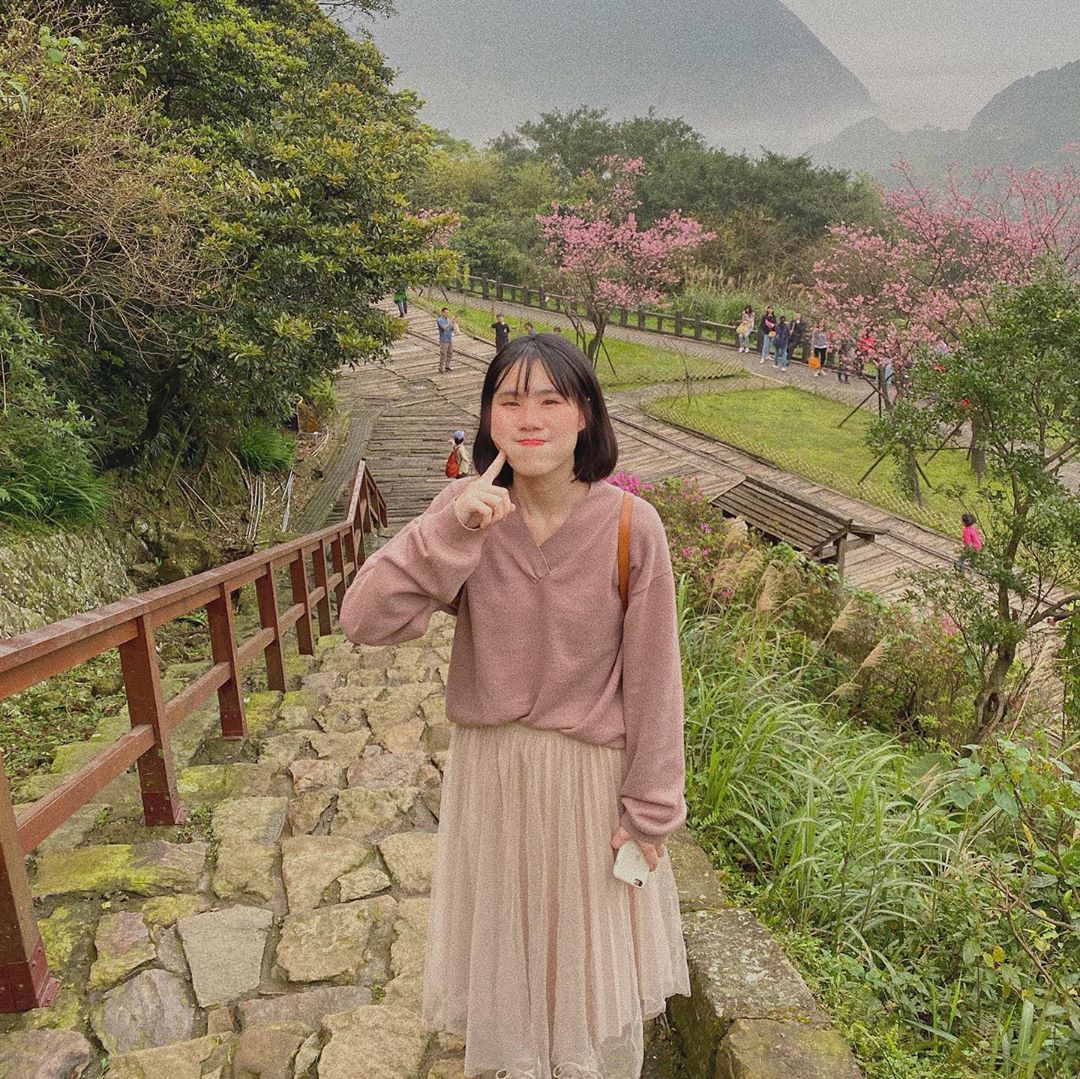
{"points": [[745, 73], [1030, 123]]}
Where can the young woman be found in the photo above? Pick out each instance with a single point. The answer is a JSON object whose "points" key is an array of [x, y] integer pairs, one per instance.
{"points": [[745, 328], [767, 331], [567, 738]]}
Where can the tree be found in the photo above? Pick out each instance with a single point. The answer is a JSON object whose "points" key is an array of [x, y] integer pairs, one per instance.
{"points": [[930, 274], [1016, 375], [200, 205], [603, 258]]}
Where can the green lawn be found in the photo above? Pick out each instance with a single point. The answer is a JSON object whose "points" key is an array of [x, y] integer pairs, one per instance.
{"points": [[799, 431], [634, 364]]}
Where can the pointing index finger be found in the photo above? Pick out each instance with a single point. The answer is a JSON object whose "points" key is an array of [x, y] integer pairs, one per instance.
{"points": [[494, 468]]}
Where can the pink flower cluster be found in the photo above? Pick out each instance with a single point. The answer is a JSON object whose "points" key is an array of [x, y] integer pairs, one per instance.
{"points": [[627, 481], [602, 255], [932, 273]]}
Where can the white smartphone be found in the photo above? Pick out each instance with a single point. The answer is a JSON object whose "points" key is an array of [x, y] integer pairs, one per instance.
{"points": [[630, 865]]}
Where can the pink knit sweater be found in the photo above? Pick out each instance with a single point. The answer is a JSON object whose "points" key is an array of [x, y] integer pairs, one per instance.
{"points": [[541, 638]]}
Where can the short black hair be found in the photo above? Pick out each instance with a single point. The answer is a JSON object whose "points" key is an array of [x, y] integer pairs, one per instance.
{"points": [[572, 374]]}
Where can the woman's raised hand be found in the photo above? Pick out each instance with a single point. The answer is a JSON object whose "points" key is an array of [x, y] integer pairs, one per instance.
{"points": [[481, 504]]}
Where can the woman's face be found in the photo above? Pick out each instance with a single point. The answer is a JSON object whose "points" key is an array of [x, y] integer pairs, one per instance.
{"points": [[537, 429]]}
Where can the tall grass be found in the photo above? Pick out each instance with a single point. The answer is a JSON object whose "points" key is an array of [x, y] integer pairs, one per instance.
{"points": [[853, 840]]}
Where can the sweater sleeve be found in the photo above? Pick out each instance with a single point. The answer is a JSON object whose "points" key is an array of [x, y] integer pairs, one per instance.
{"points": [[419, 571], [652, 792]]}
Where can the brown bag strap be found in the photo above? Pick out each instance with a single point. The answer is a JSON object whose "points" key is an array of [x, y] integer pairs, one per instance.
{"points": [[624, 548]]}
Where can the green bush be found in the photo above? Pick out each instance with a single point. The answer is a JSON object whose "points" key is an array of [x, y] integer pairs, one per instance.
{"points": [[323, 398], [263, 448], [946, 886], [46, 471]]}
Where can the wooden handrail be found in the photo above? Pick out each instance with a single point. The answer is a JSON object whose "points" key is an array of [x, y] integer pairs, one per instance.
{"points": [[682, 325], [129, 625]]}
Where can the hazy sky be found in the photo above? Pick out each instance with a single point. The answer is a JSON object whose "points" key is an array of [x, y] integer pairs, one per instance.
{"points": [[939, 61]]}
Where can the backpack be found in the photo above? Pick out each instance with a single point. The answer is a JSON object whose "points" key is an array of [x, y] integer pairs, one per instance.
{"points": [[452, 471]]}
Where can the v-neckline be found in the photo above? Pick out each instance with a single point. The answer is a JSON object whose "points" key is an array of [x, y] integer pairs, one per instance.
{"points": [[545, 548]]}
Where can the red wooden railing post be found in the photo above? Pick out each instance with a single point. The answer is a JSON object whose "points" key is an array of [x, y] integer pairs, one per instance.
{"points": [[269, 618], [350, 554], [298, 576], [25, 981], [219, 613], [337, 560], [318, 561], [142, 682]]}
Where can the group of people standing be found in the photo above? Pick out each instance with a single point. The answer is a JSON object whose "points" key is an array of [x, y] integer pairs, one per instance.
{"points": [[778, 340]]}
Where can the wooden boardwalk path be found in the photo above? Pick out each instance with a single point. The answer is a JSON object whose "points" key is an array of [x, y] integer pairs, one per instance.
{"points": [[416, 408]]}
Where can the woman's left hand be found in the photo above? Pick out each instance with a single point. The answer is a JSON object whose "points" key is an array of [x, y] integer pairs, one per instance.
{"points": [[653, 853]]}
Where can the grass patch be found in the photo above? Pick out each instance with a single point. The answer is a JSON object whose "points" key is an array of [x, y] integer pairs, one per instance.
{"points": [[631, 364], [799, 431]]}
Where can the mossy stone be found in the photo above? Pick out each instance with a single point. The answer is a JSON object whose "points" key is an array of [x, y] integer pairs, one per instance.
{"points": [[142, 869]]}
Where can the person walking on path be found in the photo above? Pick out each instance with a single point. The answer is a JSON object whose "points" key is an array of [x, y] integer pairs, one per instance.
{"points": [[766, 331], [459, 463], [447, 327], [783, 337], [819, 342], [502, 333], [401, 298], [798, 329], [971, 540], [565, 698], [745, 328]]}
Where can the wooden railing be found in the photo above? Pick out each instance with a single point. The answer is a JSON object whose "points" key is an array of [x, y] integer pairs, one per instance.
{"points": [[668, 323], [335, 552]]}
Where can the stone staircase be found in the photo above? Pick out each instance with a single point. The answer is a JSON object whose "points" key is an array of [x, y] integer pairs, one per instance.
{"points": [[280, 932]]}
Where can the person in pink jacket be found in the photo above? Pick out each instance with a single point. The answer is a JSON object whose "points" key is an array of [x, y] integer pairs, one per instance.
{"points": [[567, 737]]}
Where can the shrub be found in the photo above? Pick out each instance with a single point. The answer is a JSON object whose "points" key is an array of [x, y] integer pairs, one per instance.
{"points": [[263, 448], [323, 399], [46, 471]]}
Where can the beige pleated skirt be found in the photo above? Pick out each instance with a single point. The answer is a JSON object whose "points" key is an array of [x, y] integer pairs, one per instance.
{"points": [[537, 956]]}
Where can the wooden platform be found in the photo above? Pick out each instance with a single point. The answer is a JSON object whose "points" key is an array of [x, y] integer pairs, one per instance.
{"points": [[416, 409]]}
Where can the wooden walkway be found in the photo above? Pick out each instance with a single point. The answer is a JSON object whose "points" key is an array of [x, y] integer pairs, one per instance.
{"points": [[416, 409]]}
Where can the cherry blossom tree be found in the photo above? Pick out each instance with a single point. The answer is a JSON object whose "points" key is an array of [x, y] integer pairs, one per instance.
{"points": [[931, 274], [918, 284], [603, 258]]}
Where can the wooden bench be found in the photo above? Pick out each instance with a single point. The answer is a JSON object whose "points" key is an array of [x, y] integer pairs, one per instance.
{"points": [[809, 527]]}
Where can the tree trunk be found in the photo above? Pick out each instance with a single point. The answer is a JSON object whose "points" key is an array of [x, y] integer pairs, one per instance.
{"points": [[161, 398], [976, 451], [593, 349], [990, 704]]}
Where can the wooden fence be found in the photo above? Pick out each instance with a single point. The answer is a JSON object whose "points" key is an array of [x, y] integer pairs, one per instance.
{"points": [[335, 553], [668, 323]]}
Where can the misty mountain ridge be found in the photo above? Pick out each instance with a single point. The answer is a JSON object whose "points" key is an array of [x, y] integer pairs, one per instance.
{"points": [[1033, 122], [744, 73]]}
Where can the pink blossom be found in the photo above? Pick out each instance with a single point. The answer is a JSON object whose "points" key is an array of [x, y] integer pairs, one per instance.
{"points": [[919, 283], [603, 257]]}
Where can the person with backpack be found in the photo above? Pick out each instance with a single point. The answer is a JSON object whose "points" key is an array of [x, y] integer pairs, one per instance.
{"points": [[565, 699], [459, 463]]}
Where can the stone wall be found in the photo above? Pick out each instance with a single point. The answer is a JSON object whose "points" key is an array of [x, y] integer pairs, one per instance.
{"points": [[750, 1015], [50, 576]]}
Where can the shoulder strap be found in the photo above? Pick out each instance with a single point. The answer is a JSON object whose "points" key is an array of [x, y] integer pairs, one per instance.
{"points": [[624, 548]]}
